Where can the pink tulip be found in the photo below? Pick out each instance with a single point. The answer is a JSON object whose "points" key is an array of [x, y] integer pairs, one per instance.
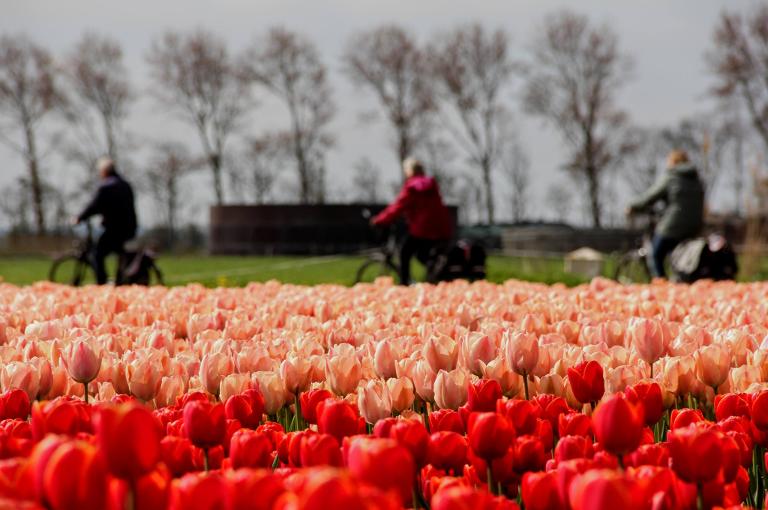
{"points": [[374, 401], [296, 373], [522, 351], [713, 362], [343, 370], [402, 393], [423, 380], [83, 364], [451, 388], [476, 350], [441, 352], [647, 337], [213, 368], [384, 359], [144, 377], [21, 375]]}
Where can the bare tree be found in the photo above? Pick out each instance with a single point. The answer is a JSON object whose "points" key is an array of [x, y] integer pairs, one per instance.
{"points": [[572, 83], [642, 167], [263, 160], [517, 167], [389, 62], [472, 68], [290, 67], [705, 138], [739, 59], [29, 95], [367, 181], [101, 91], [439, 158], [169, 163], [559, 200], [195, 77]]}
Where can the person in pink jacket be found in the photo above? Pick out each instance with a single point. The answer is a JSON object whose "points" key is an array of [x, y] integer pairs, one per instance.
{"points": [[429, 220]]}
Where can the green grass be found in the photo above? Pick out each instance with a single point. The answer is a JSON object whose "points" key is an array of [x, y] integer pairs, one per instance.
{"points": [[237, 271]]}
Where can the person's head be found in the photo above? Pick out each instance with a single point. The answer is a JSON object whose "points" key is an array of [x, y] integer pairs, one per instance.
{"points": [[106, 167], [677, 157], [412, 166]]}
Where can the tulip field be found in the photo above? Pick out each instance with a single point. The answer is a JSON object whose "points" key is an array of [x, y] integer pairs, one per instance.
{"points": [[475, 396]]}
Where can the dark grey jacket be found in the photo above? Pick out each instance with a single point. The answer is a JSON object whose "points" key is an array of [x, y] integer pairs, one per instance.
{"points": [[114, 202], [681, 189]]}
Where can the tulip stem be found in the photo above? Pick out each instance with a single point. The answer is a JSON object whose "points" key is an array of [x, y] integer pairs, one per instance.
{"points": [[525, 384], [699, 496], [490, 477], [130, 499], [85, 392], [205, 459], [651, 370]]}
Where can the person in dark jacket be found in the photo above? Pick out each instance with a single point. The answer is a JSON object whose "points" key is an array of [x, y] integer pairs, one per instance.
{"points": [[429, 221], [114, 202], [683, 193]]}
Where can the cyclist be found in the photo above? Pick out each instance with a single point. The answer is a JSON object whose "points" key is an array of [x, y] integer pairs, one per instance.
{"points": [[429, 221], [114, 201], [683, 193]]}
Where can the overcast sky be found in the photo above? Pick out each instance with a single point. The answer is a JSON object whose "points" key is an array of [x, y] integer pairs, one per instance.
{"points": [[666, 39]]}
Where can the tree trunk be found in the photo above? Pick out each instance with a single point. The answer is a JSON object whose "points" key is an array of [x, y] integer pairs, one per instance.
{"points": [[403, 150], [36, 186], [214, 160], [594, 196], [489, 204]]}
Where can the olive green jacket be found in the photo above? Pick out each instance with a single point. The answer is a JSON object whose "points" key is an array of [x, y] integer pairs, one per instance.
{"points": [[682, 191]]}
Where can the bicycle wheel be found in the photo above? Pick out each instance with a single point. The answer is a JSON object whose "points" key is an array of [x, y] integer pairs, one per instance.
{"points": [[632, 268], [372, 269], [156, 276], [71, 270]]}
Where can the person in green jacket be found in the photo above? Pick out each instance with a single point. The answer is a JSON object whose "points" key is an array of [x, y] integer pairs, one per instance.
{"points": [[681, 189]]}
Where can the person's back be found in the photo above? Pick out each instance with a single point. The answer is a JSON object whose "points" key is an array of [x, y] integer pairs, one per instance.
{"points": [[425, 213], [116, 206], [683, 217], [682, 192]]}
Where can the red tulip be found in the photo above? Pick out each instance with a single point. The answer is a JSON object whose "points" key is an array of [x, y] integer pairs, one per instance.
{"points": [[247, 408], [618, 424], [550, 407], [522, 414], [489, 435], [574, 424], [384, 464], [60, 416], [178, 454], [648, 455], [605, 489], [414, 437], [205, 424], [274, 431], [200, 491], [587, 382], [339, 419], [573, 447], [309, 400], [732, 404], [681, 418], [150, 492], [446, 419], [320, 450], [760, 410], [15, 404], [529, 454], [254, 489], [482, 395], [75, 477], [649, 396], [540, 491], [129, 438], [462, 497], [448, 451], [696, 453], [248, 448]]}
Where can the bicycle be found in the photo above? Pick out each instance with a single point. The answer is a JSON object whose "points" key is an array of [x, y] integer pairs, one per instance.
{"points": [[633, 266], [379, 261], [78, 266]]}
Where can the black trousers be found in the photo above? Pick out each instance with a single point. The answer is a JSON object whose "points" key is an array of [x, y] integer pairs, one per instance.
{"points": [[109, 242], [421, 248]]}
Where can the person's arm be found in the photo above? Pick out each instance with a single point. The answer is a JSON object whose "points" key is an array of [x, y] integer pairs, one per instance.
{"points": [[656, 192], [94, 207], [393, 210]]}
